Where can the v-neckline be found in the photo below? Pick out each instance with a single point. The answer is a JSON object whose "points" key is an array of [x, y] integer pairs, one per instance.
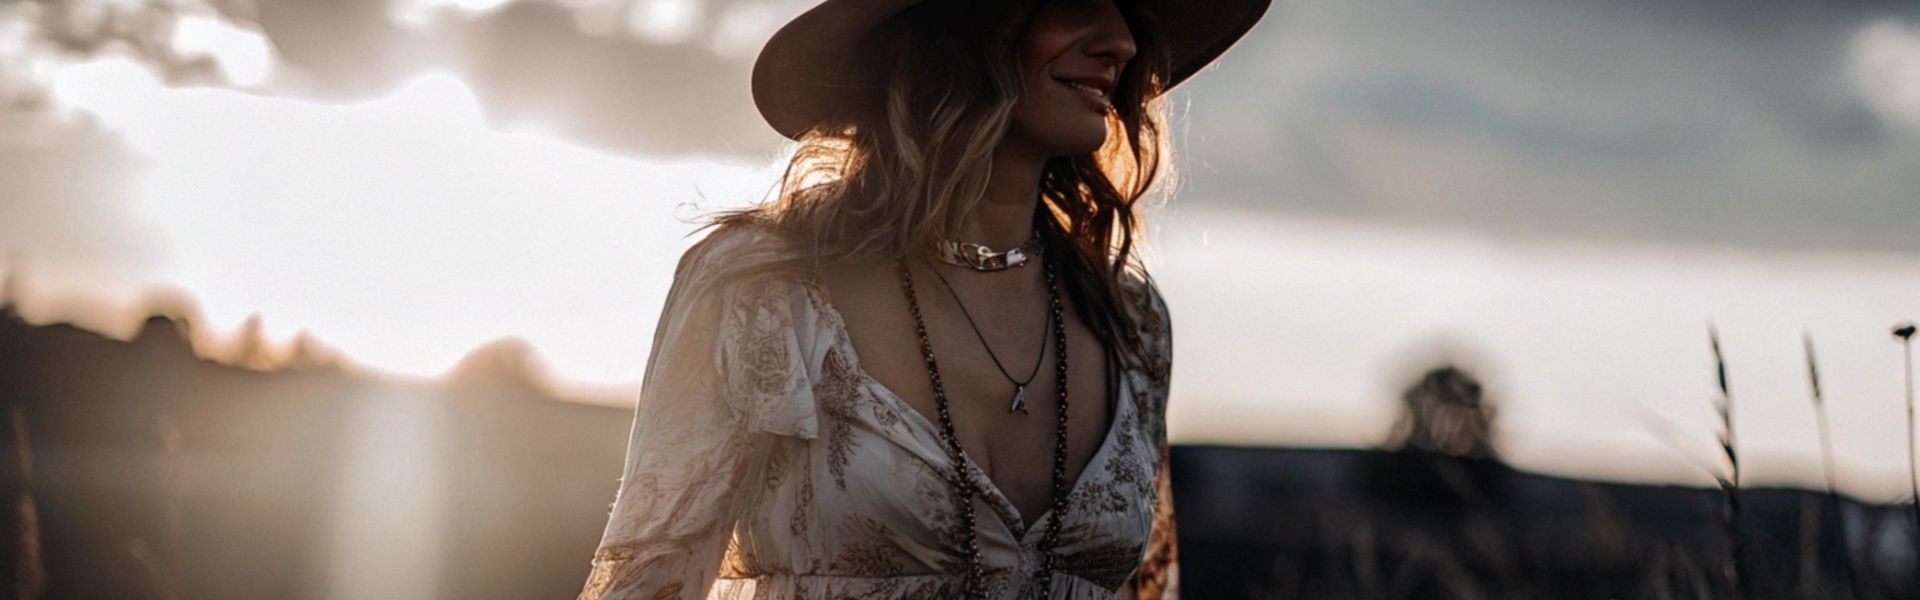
{"points": [[1010, 515]]}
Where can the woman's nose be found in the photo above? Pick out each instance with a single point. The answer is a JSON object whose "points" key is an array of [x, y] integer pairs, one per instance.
{"points": [[1113, 37]]}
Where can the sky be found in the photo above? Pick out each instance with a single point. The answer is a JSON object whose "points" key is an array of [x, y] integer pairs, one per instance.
{"points": [[1563, 195]]}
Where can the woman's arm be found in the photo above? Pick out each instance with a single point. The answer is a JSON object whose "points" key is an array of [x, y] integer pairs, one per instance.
{"points": [[725, 376], [1159, 574]]}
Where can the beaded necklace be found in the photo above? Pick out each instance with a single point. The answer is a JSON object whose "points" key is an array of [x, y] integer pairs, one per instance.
{"points": [[961, 480]]}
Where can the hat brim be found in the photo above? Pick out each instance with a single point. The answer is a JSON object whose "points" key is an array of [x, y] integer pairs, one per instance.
{"points": [[802, 76]]}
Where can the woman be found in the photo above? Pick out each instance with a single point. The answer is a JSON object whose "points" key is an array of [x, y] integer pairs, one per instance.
{"points": [[932, 367]]}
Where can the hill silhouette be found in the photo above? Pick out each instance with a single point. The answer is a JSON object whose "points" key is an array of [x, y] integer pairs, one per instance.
{"points": [[524, 480]]}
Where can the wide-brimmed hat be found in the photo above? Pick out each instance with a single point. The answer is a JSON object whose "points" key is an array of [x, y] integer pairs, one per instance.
{"points": [[807, 73]]}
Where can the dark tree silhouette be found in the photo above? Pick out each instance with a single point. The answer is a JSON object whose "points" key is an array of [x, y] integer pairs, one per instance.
{"points": [[1446, 412]]}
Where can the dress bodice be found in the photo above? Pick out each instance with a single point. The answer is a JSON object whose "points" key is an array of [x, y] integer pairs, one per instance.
{"points": [[765, 463]]}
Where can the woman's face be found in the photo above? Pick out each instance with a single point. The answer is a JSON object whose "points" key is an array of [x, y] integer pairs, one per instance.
{"points": [[1070, 63]]}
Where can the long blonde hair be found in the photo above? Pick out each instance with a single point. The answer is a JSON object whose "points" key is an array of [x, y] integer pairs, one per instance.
{"points": [[908, 167]]}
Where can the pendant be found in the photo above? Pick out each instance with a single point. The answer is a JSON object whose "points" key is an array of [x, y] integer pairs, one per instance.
{"points": [[1019, 400], [982, 258]]}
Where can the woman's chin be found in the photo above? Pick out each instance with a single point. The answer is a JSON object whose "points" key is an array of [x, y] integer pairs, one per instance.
{"points": [[1055, 140]]}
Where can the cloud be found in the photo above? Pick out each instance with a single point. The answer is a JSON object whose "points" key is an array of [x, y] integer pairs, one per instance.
{"points": [[244, 56], [729, 28], [64, 181], [187, 41], [653, 77], [666, 21], [1709, 123], [424, 13], [1885, 69], [63, 202]]}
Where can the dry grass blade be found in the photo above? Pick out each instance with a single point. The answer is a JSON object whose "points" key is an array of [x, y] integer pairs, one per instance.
{"points": [[1832, 475], [1904, 332], [1730, 482], [1677, 439], [1820, 412], [1723, 405]]}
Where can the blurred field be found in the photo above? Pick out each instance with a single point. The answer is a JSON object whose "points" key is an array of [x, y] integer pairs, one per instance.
{"points": [[152, 473]]}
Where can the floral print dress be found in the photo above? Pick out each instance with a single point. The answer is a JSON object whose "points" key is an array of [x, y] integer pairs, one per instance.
{"points": [[764, 463]]}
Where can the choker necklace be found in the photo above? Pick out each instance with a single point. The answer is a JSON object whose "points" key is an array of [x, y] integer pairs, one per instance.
{"points": [[964, 485], [981, 258], [1019, 387]]}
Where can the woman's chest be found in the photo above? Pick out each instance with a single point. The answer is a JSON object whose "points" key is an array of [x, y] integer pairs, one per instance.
{"points": [[1009, 400], [874, 495]]}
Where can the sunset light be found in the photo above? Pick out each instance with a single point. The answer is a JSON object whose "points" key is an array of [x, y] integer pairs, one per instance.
{"points": [[381, 278], [404, 231], [245, 57]]}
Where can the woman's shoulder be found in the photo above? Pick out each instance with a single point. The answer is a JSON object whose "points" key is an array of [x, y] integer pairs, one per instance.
{"points": [[1141, 294], [736, 245], [1152, 323], [771, 325], [732, 254]]}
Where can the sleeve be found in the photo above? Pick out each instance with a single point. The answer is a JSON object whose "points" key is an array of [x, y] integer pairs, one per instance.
{"points": [[726, 370], [1159, 575]]}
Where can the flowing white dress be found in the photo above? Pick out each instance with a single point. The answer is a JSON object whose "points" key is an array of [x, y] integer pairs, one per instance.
{"points": [[764, 463]]}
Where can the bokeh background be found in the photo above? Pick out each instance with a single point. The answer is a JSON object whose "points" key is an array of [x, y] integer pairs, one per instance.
{"points": [[407, 255]]}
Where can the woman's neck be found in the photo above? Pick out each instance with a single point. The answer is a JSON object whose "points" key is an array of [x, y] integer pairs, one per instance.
{"points": [[1004, 217]]}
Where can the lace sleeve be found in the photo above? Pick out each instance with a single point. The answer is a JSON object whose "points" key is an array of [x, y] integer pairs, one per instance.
{"points": [[726, 373]]}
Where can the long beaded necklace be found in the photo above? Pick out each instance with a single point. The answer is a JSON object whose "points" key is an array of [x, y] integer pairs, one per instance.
{"points": [[962, 483]]}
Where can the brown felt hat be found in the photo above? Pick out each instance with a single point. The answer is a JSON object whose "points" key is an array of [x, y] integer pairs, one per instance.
{"points": [[806, 74]]}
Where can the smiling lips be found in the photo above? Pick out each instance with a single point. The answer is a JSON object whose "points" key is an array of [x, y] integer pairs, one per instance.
{"points": [[1097, 88]]}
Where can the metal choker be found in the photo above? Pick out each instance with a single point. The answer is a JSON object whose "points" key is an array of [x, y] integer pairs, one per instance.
{"points": [[981, 258]]}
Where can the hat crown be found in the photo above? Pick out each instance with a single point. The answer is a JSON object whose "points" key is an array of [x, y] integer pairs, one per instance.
{"points": [[811, 70]]}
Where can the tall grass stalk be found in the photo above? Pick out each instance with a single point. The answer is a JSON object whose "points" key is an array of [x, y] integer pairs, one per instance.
{"points": [[1730, 480], [1820, 413], [1904, 332], [1826, 460]]}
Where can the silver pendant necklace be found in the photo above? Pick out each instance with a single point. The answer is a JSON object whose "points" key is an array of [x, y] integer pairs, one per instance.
{"points": [[981, 258], [1019, 387], [965, 488]]}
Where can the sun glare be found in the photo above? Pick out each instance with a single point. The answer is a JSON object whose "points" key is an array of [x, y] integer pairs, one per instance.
{"points": [[405, 231], [244, 55], [665, 21]]}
